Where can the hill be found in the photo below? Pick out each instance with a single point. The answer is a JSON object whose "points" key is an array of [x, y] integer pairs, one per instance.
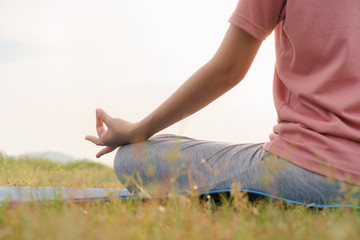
{"points": [[48, 155]]}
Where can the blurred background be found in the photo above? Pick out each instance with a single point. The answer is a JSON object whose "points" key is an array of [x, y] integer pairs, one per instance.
{"points": [[62, 59]]}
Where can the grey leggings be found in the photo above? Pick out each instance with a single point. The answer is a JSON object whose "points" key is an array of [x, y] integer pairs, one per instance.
{"points": [[169, 164]]}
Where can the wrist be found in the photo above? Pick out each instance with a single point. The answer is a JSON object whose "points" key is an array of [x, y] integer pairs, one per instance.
{"points": [[141, 131]]}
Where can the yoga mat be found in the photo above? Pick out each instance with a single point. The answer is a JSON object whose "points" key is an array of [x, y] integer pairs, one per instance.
{"points": [[36, 194], [31, 194]]}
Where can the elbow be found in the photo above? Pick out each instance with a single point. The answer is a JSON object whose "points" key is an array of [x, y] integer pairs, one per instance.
{"points": [[235, 75], [230, 74]]}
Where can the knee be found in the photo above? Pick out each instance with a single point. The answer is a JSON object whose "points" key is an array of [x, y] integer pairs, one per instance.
{"points": [[122, 168], [128, 160], [122, 161]]}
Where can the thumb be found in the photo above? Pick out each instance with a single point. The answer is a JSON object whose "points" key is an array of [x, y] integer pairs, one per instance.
{"points": [[102, 115]]}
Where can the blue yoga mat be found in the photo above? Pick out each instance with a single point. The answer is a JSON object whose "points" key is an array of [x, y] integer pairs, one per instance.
{"points": [[31, 194], [36, 194]]}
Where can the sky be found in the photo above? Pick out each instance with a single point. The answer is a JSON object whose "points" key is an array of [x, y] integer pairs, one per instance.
{"points": [[62, 59]]}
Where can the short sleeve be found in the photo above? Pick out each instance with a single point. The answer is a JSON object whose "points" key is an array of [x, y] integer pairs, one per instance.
{"points": [[258, 17]]}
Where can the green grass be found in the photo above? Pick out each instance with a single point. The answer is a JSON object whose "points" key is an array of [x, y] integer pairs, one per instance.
{"points": [[41, 172], [180, 218]]}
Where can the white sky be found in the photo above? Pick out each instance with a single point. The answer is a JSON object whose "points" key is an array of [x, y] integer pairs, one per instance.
{"points": [[61, 59]]}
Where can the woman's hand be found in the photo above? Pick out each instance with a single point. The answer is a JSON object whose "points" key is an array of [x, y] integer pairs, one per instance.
{"points": [[119, 132]]}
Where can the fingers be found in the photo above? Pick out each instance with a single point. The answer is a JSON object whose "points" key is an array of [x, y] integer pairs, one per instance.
{"points": [[99, 126], [103, 116], [94, 140], [98, 142], [105, 150]]}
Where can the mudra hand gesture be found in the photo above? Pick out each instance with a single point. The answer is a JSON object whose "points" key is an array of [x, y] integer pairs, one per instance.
{"points": [[118, 132]]}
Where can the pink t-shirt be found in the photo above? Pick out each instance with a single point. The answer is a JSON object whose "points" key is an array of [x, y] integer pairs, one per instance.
{"points": [[316, 80]]}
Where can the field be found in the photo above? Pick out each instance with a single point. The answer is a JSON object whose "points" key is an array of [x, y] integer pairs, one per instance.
{"points": [[177, 218]]}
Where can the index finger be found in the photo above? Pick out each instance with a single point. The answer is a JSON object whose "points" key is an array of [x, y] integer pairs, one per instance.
{"points": [[94, 140], [99, 126]]}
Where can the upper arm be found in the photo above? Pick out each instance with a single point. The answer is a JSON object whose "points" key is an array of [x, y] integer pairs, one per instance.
{"points": [[236, 53]]}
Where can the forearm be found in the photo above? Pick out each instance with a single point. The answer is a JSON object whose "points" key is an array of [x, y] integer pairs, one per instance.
{"points": [[203, 87]]}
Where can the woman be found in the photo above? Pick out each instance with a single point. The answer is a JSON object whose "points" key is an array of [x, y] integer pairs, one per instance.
{"points": [[313, 153]]}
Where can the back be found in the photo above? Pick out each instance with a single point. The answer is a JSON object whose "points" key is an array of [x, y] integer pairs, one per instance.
{"points": [[316, 81]]}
